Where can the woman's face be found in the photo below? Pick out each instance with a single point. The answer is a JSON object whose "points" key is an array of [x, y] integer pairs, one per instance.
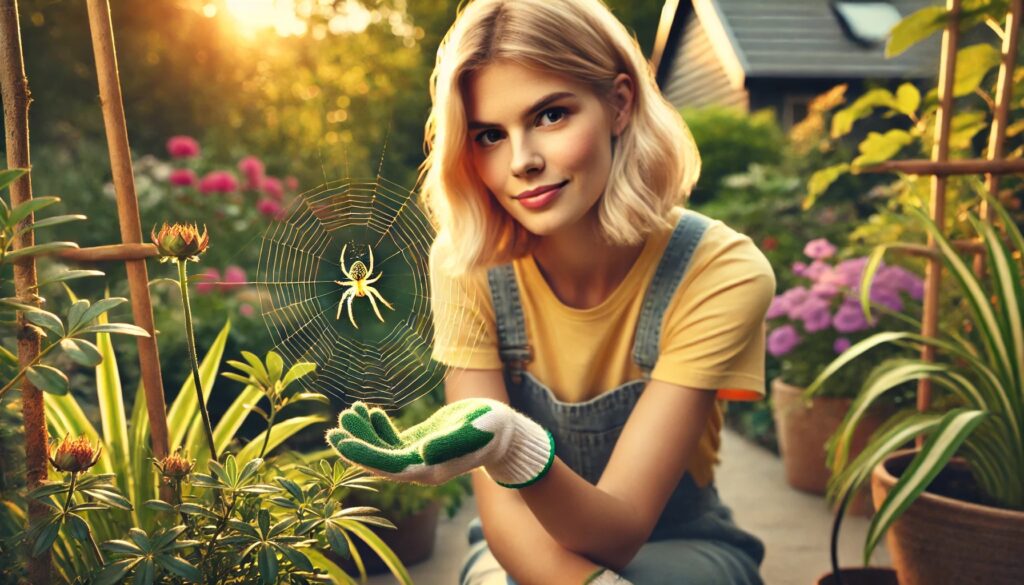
{"points": [[530, 129]]}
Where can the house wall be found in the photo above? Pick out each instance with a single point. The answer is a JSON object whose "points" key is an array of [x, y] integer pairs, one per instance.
{"points": [[697, 77]]}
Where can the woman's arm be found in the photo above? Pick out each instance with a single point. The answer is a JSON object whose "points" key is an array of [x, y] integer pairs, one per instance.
{"points": [[517, 540], [609, 522]]}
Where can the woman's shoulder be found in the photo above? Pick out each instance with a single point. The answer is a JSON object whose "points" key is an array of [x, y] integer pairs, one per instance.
{"points": [[724, 250]]}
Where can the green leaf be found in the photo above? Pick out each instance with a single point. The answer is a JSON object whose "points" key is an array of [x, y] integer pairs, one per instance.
{"points": [[278, 434], [914, 29], [233, 417], [955, 427], [145, 573], [50, 221], [182, 417], [143, 471], [38, 250], [46, 320], [267, 561], [8, 176], [382, 550], [259, 371], [65, 275], [110, 497], [180, 567], [275, 365], [77, 527], [48, 379], [101, 307], [881, 147], [47, 535], [20, 212], [908, 98], [843, 120], [334, 572], [972, 64], [158, 506], [114, 573], [197, 510], [82, 351], [47, 489], [78, 308], [119, 328], [298, 371], [821, 180], [110, 399]]}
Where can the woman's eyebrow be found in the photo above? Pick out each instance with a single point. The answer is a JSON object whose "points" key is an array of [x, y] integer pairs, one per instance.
{"points": [[476, 125]]}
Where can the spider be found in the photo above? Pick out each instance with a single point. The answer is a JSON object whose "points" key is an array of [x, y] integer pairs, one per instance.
{"points": [[359, 282]]}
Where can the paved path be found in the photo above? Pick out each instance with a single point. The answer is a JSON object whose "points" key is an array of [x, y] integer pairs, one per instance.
{"points": [[794, 526]]}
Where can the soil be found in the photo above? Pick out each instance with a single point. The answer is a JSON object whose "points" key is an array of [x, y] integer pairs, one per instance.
{"points": [[952, 482]]}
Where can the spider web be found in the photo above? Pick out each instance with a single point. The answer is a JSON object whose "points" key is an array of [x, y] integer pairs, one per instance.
{"points": [[382, 363]]}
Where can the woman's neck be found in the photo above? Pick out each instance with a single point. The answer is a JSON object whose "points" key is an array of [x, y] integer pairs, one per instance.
{"points": [[581, 267]]}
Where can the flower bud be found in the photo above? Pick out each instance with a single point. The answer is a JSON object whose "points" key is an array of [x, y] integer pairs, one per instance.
{"points": [[74, 456], [180, 241], [176, 466]]}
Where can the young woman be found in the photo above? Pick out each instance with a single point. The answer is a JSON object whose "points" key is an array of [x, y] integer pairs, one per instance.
{"points": [[589, 322]]}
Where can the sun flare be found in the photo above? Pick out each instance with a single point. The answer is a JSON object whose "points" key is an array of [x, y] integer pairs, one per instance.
{"points": [[254, 16]]}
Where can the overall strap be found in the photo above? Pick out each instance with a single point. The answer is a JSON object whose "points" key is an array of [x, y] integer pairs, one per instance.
{"points": [[671, 269], [513, 347]]}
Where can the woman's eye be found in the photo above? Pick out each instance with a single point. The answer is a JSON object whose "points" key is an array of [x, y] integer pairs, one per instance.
{"points": [[482, 137], [558, 114]]}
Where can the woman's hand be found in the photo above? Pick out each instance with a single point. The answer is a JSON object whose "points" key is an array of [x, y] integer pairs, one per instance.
{"points": [[461, 436]]}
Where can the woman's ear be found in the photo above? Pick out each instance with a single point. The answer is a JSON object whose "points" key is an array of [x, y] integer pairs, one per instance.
{"points": [[623, 94]]}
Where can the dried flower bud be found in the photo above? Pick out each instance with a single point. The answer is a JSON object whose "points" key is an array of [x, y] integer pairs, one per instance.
{"points": [[176, 466], [74, 456], [180, 241]]}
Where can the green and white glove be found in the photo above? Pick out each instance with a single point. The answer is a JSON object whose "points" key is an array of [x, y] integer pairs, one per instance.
{"points": [[461, 436], [607, 577]]}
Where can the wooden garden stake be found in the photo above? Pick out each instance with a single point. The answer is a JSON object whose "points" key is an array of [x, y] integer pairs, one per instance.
{"points": [[14, 85], [128, 218]]}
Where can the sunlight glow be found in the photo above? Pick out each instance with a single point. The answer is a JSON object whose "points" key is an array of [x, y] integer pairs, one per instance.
{"points": [[254, 16]]}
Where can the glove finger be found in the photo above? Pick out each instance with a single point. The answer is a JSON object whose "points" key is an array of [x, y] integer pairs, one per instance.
{"points": [[374, 458], [384, 428], [360, 428]]}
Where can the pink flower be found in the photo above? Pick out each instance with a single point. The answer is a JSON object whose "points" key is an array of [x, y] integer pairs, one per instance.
{"points": [[218, 182], [778, 308], [182, 147], [782, 340], [183, 177], [206, 280], [246, 310], [273, 188], [253, 170], [799, 268], [816, 270], [819, 249], [841, 344], [291, 183], [234, 277], [270, 208]]}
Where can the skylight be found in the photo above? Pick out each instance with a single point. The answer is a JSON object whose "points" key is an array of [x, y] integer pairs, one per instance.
{"points": [[867, 23]]}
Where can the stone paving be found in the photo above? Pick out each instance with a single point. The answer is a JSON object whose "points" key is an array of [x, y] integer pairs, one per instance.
{"points": [[794, 526]]}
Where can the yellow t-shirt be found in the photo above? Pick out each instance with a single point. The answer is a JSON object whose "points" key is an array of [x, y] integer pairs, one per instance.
{"points": [[712, 336]]}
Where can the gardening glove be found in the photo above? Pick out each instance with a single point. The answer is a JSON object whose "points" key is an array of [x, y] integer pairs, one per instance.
{"points": [[461, 436], [607, 577]]}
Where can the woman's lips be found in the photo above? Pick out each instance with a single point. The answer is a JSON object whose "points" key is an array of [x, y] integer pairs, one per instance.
{"points": [[541, 199]]}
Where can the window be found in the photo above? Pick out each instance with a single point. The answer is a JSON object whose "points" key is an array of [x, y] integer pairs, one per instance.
{"points": [[867, 23]]}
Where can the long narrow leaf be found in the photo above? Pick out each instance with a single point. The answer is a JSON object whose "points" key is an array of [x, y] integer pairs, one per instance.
{"points": [[386, 554], [334, 572], [956, 426], [144, 484], [278, 434], [184, 411], [234, 416], [112, 415]]}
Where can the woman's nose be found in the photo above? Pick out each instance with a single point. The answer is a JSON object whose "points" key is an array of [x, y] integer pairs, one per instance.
{"points": [[525, 159]]}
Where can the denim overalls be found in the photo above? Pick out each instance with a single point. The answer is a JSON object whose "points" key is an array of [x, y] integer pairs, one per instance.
{"points": [[695, 540]]}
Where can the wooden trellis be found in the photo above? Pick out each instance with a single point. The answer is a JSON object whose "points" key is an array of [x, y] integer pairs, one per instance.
{"points": [[131, 250], [940, 167]]}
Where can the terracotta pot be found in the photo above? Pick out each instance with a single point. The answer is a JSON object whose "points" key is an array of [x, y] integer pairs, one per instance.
{"points": [[861, 576], [941, 540], [803, 432], [413, 541]]}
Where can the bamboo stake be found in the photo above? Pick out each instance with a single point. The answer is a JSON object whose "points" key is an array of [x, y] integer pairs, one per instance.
{"points": [[940, 154], [128, 216], [16, 102], [109, 253], [949, 167], [1003, 97]]}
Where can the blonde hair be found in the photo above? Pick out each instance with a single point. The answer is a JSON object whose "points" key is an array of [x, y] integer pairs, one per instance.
{"points": [[655, 162]]}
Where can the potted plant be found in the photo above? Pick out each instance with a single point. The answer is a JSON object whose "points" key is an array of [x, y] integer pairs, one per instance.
{"points": [[949, 519], [811, 323]]}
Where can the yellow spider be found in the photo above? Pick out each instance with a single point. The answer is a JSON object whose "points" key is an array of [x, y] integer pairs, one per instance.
{"points": [[359, 282]]}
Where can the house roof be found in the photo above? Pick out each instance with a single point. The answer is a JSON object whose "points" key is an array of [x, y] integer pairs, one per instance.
{"points": [[789, 38]]}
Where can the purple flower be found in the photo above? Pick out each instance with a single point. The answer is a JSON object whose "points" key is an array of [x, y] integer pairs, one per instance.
{"points": [[850, 318], [887, 297], [793, 299], [825, 289], [814, 313], [782, 340], [182, 147], [819, 249], [778, 308], [816, 270], [799, 268], [841, 344], [898, 278]]}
